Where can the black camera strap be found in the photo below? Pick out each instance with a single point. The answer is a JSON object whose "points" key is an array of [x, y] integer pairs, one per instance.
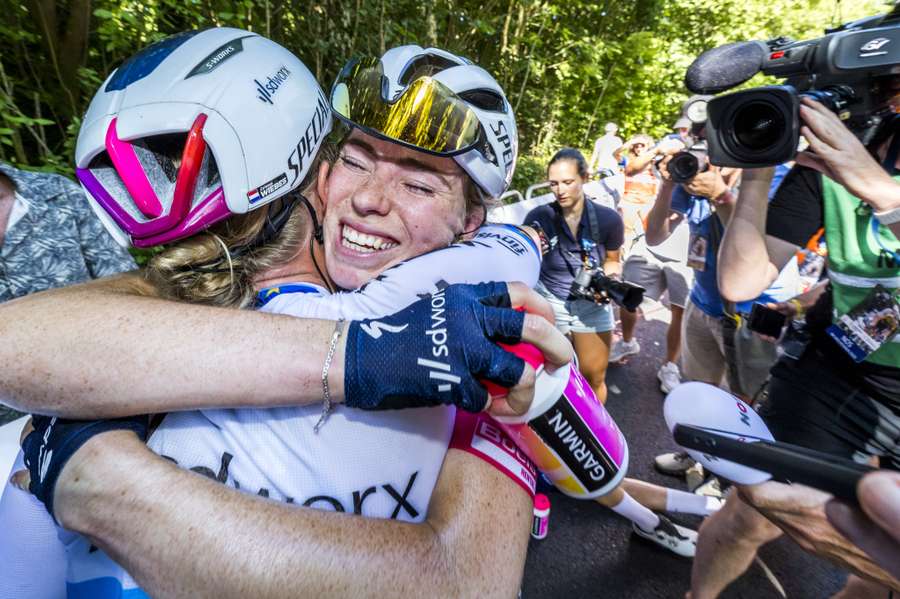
{"points": [[593, 231], [715, 240]]}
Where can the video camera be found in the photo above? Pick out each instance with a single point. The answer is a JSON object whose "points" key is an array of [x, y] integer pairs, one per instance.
{"points": [[592, 281], [848, 70]]}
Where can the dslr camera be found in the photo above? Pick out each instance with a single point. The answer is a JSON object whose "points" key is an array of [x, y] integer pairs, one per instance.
{"points": [[591, 281], [850, 70], [684, 165]]}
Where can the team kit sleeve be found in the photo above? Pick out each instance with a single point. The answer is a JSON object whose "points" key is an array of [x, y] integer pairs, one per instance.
{"points": [[32, 556], [479, 435], [495, 253]]}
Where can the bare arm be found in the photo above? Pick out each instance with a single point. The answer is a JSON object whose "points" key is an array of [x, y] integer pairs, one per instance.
{"points": [[78, 351], [838, 154], [659, 221], [801, 512], [612, 265], [750, 260], [641, 161], [472, 544]]}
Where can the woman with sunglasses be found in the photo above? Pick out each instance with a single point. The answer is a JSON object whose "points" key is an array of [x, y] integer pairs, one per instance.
{"points": [[383, 201]]}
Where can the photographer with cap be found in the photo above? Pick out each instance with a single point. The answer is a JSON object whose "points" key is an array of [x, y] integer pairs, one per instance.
{"points": [[840, 395]]}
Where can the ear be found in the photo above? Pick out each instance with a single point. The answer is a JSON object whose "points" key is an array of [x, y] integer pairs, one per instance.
{"points": [[322, 181], [475, 218]]}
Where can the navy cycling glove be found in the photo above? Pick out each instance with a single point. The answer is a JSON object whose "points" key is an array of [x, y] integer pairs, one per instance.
{"points": [[434, 351], [53, 441]]}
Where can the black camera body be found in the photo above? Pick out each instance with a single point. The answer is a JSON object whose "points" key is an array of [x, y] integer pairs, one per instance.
{"points": [[846, 70], [684, 165], [591, 282]]}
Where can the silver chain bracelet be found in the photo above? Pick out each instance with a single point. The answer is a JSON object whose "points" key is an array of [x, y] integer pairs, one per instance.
{"points": [[326, 394]]}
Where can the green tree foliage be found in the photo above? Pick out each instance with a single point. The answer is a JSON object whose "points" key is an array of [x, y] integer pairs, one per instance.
{"points": [[568, 65]]}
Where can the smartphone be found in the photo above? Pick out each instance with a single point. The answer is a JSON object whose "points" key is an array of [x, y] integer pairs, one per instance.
{"points": [[766, 321], [785, 462]]}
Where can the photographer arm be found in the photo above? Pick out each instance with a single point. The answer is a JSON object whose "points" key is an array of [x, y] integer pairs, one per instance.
{"points": [[660, 221], [835, 152], [750, 260], [801, 512], [472, 543], [641, 161]]}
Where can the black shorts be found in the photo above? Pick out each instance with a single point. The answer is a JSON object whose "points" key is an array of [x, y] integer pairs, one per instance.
{"points": [[813, 404]]}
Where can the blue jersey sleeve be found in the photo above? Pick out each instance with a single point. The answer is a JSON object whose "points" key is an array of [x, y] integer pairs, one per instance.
{"points": [[681, 200]]}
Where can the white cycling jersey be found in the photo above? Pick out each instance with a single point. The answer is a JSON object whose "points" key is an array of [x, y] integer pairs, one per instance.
{"points": [[376, 464]]}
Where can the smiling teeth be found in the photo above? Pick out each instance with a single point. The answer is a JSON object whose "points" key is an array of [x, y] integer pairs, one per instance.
{"points": [[363, 242]]}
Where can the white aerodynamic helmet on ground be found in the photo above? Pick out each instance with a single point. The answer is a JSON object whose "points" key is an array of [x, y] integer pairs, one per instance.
{"points": [[195, 128], [437, 102]]}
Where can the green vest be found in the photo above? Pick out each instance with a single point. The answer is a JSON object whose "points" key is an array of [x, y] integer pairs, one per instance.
{"points": [[855, 261]]}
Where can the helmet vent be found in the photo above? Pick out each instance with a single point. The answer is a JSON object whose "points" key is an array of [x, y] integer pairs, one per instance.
{"points": [[484, 99], [425, 66]]}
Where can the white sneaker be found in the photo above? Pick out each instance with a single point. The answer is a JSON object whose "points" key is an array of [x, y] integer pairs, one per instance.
{"points": [[669, 376], [674, 463], [677, 539], [623, 349], [711, 488]]}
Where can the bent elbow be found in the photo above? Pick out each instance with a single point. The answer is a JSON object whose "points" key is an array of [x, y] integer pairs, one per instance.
{"points": [[736, 288]]}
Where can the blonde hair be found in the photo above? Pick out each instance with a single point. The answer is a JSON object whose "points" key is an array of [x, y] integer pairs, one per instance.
{"points": [[216, 268]]}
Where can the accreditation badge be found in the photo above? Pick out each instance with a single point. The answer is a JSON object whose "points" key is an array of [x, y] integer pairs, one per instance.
{"points": [[869, 325], [697, 252]]}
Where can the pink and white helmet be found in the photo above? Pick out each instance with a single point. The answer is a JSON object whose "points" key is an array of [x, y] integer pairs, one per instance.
{"points": [[195, 128]]}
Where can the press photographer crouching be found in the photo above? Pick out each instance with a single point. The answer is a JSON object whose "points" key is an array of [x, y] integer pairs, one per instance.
{"points": [[841, 394], [581, 271]]}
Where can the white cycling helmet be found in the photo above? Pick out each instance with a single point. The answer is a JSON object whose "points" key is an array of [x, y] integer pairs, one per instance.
{"points": [[436, 102], [195, 128]]}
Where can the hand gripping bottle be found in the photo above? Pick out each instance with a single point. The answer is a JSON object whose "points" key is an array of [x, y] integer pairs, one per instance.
{"points": [[567, 432]]}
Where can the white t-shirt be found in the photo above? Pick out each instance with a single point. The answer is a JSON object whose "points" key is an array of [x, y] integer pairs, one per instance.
{"points": [[604, 149]]}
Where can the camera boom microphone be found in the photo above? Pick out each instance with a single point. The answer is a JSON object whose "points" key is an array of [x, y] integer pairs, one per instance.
{"points": [[726, 66]]}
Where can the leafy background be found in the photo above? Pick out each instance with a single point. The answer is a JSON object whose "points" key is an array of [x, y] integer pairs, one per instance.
{"points": [[568, 66]]}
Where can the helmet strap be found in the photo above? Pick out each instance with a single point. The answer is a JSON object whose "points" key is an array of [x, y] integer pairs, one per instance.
{"points": [[318, 235]]}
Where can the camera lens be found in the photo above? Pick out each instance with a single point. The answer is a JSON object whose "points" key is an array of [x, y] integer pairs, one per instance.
{"points": [[758, 126], [682, 167]]}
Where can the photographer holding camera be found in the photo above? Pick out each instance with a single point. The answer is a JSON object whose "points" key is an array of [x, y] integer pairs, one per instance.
{"points": [[827, 399], [585, 239]]}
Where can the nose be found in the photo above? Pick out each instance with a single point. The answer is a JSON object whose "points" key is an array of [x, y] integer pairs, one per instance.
{"points": [[372, 197]]}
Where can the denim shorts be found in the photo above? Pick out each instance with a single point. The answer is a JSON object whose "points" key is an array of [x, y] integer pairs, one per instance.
{"points": [[579, 316]]}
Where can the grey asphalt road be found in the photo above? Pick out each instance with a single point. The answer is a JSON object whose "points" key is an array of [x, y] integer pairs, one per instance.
{"points": [[591, 552]]}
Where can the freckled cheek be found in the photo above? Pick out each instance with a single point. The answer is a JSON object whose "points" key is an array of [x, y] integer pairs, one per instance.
{"points": [[430, 229]]}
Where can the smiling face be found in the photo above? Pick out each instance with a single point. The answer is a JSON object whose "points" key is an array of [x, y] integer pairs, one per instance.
{"points": [[386, 203], [565, 182]]}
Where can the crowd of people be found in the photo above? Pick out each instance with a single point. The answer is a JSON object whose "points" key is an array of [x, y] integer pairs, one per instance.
{"points": [[295, 383]]}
